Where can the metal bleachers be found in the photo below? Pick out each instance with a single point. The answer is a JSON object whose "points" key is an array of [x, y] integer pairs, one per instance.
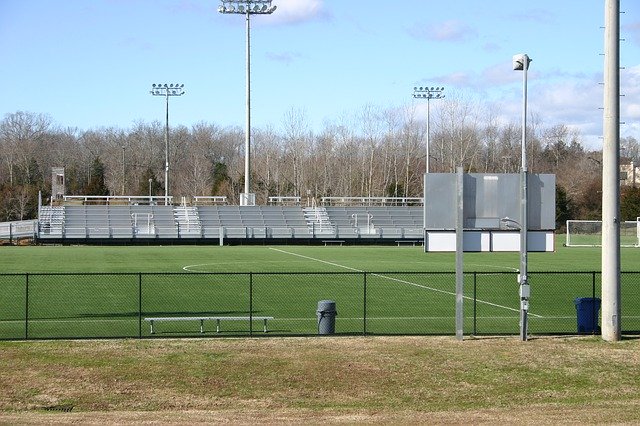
{"points": [[377, 221], [167, 222]]}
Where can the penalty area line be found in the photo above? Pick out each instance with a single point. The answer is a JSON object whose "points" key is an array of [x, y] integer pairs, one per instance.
{"points": [[437, 290]]}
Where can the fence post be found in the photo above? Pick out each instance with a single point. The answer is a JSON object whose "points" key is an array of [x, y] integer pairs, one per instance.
{"points": [[475, 300], [26, 308], [250, 303], [140, 305], [594, 324], [364, 304]]}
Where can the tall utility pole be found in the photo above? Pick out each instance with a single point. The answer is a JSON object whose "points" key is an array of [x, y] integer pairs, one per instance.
{"points": [[247, 8], [428, 93], [611, 175], [521, 63], [122, 170], [167, 90]]}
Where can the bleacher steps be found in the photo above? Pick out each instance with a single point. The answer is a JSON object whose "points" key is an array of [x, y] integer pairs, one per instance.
{"points": [[188, 220], [51, 220], [318, 220]]}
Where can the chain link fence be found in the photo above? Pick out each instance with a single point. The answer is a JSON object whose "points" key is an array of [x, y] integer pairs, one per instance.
{"points": [[145, 305]]}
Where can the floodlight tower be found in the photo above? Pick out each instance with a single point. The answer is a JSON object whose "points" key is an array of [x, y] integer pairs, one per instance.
{"points": [[247, 8], [521, 63], [167, 90], [428, 93]]}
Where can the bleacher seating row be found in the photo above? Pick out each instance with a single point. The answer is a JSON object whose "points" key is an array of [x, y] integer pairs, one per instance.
{"points": [[131, 222]]}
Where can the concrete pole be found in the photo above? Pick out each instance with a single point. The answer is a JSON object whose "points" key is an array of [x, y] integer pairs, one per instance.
{"points": [[460, 255], [122, 171], [524, 278], [247, 136], [166, 151], [427, 148], [611, 176], [426, 171]]}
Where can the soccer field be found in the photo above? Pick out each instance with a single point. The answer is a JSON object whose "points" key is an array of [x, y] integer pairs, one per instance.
{"points": [[89, 291], [84, 259]]}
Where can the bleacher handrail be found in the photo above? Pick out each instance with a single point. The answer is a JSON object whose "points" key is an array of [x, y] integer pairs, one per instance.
{"points": [[118, 199], [199, 200], [284, 200], [371, 201]]}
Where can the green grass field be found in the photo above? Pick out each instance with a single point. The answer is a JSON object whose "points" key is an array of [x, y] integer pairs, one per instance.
{"points": [[93, 291], [395, 379], [48, 259]]}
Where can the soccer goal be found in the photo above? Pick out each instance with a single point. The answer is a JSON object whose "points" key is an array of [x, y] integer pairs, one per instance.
{"points": [[588, 233]]}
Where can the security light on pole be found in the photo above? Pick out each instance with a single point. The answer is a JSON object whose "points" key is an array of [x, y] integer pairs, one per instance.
{"points": [[521, 63]]}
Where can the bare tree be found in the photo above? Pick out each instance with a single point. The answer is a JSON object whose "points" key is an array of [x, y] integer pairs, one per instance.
{"points": [[20, 136]]}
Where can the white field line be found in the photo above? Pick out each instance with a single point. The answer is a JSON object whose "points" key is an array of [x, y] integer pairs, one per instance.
{"points": [[72, 320], [284, 319], [508, 268], [339, 318], [402, 281], [188, 268]]}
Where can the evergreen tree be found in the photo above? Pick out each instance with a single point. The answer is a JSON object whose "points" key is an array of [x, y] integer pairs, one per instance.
{"points": [[96, 184], [565, 209], [220, 177], [630, 203], [156, 187]]}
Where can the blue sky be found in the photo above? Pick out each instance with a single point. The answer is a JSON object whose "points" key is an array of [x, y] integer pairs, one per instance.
{"points": [[91, 63]]}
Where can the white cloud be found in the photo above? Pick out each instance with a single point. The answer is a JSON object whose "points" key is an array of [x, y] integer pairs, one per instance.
{"points": [[298, 11], [630, 88], [283, 57], [535, 15], [452, 30], [632, 32]]}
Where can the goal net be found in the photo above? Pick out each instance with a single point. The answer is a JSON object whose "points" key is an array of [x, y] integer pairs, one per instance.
{"points": [[588, 233]]}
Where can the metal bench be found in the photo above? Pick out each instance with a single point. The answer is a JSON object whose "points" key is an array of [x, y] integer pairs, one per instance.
{"points": [[327, 242], [202, 319], [412, 242]]}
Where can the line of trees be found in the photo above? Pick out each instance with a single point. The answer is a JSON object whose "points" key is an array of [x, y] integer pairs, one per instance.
{"points": [[373, 152]]}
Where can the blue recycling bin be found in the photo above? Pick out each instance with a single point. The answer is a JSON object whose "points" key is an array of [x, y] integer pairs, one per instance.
{"points": [[587, 309]]}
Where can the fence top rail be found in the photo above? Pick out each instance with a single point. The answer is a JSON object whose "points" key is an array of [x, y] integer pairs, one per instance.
{"points": [[31, 274]]}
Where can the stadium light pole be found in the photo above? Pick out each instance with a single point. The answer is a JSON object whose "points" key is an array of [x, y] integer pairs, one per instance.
{"points": [[521, 63], [247, 8], [122, 170], [428, 93], [167, 90]]}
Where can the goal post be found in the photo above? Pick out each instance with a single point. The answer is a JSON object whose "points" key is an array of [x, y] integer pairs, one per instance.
{"points": [[588, 233]]}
